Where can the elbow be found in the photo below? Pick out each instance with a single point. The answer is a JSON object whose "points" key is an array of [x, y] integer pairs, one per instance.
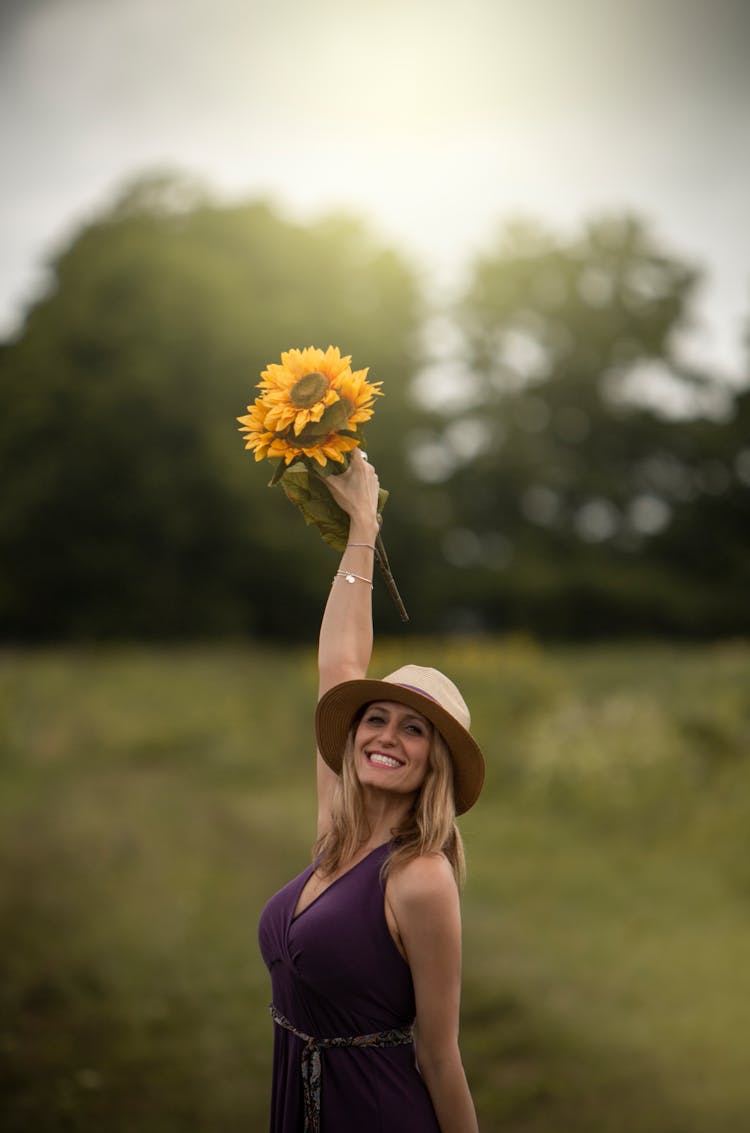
{"points": [[436, 1060]]}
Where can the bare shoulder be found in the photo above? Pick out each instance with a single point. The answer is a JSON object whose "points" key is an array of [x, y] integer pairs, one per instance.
{"points": [[423, 881]]}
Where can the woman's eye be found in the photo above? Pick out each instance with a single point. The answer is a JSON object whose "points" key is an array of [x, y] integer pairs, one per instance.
{"points": [[374, 719]]}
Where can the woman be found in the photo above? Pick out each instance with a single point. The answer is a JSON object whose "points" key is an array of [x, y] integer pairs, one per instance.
{"points": [[364, 947]]}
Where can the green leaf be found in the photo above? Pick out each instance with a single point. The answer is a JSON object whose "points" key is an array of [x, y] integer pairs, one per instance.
{"points": [[278, 472], [307, 491]]}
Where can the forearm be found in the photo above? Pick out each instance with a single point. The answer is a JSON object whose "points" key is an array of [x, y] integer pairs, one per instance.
{"points": [[449, 1091], [345, 643]]}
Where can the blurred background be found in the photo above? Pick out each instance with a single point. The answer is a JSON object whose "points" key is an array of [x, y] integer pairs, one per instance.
{"points": [[531, 224]]}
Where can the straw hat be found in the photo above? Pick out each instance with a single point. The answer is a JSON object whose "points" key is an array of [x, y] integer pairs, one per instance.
{"points": [[426, 690]]}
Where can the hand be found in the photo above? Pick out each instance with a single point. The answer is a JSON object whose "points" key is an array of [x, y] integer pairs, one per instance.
{"points": [[356, 490]]}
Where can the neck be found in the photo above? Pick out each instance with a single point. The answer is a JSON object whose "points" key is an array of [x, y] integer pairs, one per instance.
{"points": [[385, 813]]}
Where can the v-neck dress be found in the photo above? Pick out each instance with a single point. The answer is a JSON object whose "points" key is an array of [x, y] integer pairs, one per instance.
{"points": [[336, 972]]}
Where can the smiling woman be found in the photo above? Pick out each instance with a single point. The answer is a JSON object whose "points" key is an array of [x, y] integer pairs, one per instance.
{"points": [[391, 737], [364, 946]]}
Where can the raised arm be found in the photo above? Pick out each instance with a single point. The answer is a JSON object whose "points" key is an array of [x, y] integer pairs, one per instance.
{"points": [[345, 643]]}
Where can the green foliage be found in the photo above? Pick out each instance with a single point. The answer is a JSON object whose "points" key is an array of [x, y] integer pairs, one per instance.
{"points": [[152, 800], [134, 511], [307, 491], [575, 507], [551, 500]]}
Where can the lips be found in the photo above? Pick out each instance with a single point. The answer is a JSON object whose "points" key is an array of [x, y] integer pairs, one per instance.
{"points": [[378, 759]]}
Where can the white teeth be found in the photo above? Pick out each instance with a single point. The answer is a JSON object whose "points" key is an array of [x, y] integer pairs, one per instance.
{"points": [[383, 760]]}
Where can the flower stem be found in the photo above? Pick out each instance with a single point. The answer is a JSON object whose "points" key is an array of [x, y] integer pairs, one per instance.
{"points": [[385, 569]]}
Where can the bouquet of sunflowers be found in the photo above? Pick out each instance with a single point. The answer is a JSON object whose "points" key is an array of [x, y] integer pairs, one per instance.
{"points": [[308, 418]]}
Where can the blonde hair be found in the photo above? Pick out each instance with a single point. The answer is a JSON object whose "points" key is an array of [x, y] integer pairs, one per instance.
{"points": [[429, 827]]}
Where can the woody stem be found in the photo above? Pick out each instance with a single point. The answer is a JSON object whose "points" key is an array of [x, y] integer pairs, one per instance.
{"points": [[385, 569]]}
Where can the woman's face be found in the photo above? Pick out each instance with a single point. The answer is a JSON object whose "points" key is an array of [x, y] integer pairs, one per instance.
{"points": [[392, 747]]}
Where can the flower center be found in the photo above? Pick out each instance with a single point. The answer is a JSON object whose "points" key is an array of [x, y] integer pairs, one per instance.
{"points": [[308, 390]]}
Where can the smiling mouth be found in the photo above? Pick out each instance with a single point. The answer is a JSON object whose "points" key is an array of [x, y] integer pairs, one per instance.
{"points": [[379, 760]]}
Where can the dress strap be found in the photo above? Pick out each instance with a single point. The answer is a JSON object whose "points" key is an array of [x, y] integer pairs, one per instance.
{"points": [[311, 1062]]}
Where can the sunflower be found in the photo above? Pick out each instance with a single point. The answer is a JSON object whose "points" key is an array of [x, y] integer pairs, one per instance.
{"points": [[311, 405]]}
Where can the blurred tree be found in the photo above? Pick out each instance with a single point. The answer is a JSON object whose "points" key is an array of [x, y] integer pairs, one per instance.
{"points": [[538, 484], [572, 500], [708, 539], [130, 507]]}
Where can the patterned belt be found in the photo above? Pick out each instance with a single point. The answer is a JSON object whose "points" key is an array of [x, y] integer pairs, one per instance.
{"points": [[311, 1064]]}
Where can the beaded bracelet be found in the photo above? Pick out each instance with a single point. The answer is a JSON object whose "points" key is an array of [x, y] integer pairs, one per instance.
{"points": [[351, 578]]}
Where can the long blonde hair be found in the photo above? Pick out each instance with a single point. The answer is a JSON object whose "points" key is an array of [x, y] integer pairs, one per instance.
{"points": [[429, 827]]}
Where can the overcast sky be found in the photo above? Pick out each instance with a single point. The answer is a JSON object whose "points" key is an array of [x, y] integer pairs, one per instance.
{"points": [[434, 118]]}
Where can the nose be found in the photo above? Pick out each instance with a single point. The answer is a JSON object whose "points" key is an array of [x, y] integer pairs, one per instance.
{"points": [[388, 734]]}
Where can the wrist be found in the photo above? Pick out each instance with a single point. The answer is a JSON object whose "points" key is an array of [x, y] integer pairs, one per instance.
{"points": [[363, 531]]}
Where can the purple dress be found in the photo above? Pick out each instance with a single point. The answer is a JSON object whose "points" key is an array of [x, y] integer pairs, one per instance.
{"points": [[336, 972]]}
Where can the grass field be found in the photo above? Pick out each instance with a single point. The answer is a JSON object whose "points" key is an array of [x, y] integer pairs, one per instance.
{"points": [[151, 800]]}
